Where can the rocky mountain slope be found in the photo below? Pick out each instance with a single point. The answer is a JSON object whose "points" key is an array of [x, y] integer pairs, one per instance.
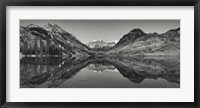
{"points": [[136, 42], [50, 40]]}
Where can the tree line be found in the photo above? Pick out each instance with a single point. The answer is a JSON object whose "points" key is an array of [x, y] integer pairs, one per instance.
{"points": [[39, 47]]}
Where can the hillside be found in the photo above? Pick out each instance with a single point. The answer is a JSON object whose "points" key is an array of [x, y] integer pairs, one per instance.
{"points": [[138, 43], [50, 40]]}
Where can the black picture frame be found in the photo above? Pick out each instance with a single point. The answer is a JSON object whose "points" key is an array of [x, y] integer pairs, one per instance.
{"points": [[4, 4]]}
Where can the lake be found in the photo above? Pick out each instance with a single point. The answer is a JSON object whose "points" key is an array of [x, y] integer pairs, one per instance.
{"points": [[103, 72]]}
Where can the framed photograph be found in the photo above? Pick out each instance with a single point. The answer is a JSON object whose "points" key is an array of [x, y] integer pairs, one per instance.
{"points": [[84, 53]]}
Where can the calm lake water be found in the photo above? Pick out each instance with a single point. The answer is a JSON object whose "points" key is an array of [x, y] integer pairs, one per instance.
{"points": [[99, 73]]}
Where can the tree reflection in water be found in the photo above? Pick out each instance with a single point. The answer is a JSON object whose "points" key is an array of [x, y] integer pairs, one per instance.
{"points": [[52, 72]]}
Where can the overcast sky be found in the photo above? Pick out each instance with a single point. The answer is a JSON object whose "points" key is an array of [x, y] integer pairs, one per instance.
{"points": [[108, 30]]}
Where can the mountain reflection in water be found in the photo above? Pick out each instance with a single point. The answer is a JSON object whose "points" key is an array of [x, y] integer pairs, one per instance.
{"points": [[105, 72]]}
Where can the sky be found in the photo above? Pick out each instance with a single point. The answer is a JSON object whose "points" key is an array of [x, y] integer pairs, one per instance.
{"points": [[107, 30]]}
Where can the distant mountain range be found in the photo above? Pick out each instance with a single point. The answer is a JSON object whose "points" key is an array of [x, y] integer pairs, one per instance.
{"points": [[101, 45], [52, 40]]}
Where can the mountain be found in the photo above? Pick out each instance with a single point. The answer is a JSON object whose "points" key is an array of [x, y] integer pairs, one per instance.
{"points": [[97, 44], [34, 40], [131, 37], [50, 40], [138, 43], [112, 43], [101, 45]]}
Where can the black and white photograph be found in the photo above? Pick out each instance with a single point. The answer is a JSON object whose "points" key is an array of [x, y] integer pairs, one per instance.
{"points": [[99, 53]]}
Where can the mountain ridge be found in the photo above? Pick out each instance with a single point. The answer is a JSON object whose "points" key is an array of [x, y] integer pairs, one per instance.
{"points": [[140, 43], [53, 40]]}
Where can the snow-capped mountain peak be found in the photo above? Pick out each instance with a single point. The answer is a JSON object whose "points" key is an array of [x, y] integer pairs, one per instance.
{"points": [[101, 43]]}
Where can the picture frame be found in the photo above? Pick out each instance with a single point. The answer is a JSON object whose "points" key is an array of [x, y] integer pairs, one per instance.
{"points": [[3, 80]]}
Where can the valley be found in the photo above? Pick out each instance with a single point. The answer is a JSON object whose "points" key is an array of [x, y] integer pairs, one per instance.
{"points": [[51, 57], [52, 40]]}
